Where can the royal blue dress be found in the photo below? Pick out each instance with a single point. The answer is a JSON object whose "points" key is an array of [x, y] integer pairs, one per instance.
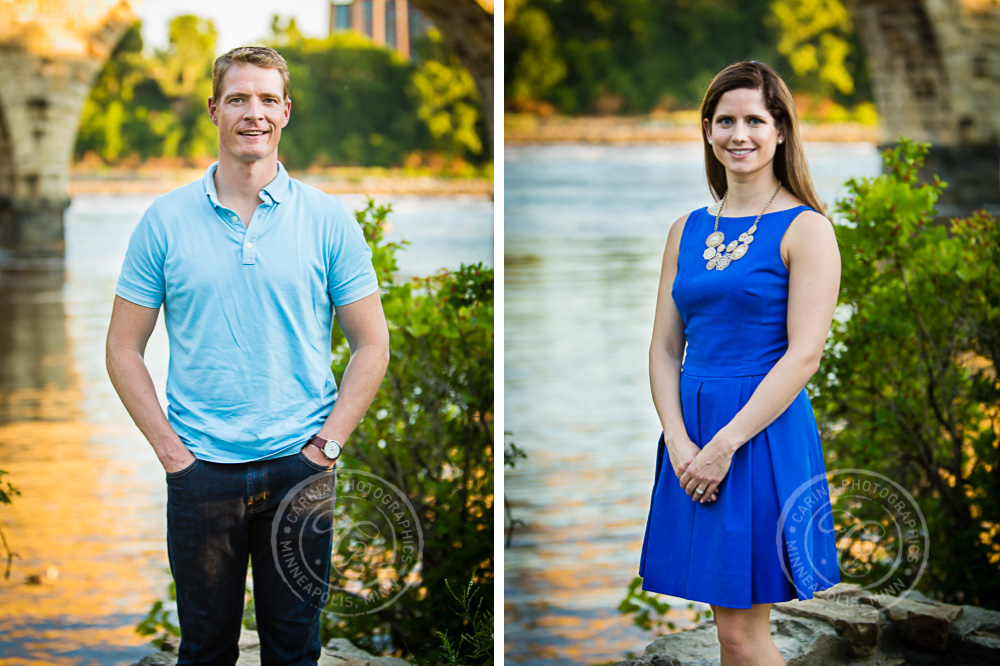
{"points": [[769, 536]]}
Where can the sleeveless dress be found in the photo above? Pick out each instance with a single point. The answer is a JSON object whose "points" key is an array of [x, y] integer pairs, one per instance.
{"points": [[769, 536]]}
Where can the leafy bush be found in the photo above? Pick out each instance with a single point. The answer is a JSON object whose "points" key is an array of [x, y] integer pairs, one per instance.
{"points": [[909, 384], [430, 433]]}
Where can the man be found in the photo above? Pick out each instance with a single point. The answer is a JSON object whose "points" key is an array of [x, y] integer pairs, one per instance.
{"points": [[249, 266]]}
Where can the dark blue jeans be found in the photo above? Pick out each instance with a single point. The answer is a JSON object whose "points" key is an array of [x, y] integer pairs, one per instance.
{"points": [[279, 514]]}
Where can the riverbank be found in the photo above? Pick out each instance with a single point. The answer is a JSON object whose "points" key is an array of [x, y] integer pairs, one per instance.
{"points": [[527, 129], [345, 180]]}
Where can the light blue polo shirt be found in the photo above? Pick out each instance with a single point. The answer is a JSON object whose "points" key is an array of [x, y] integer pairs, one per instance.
{"points": [[248, 311]]}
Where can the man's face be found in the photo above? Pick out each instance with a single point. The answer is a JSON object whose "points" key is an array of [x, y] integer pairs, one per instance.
{"points": [[250, 112]]}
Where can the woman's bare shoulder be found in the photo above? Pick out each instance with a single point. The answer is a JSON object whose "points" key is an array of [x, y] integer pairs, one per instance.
{"points": [[676, 229]]}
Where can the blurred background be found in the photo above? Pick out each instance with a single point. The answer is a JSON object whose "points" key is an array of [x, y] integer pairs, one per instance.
{"points": [[603, 152], [103, 108]]}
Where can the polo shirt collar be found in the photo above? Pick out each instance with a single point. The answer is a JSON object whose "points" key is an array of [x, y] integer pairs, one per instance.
{"points": [[275, 190]]}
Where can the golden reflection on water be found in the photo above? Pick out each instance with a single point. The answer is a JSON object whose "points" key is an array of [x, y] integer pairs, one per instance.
{"points": [[84, 533]]}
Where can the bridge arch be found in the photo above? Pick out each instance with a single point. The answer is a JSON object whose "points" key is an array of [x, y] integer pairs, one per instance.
{"points": [[50, 53]]}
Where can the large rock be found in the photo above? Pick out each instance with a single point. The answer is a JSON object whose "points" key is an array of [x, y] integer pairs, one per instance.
{"points": [[337, 652], [846, 625], [925, 625], [859, 625]]}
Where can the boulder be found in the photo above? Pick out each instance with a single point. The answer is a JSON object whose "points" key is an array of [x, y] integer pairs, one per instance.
{"points": [[921, 624], [859, 625], [846, 625]]}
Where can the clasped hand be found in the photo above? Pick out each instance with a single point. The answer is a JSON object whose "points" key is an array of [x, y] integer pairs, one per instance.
{"points": [[703, 468]]}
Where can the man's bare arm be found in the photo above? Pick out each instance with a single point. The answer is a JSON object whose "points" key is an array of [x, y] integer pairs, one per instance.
{"points": [[131, 326], [363, 324]]}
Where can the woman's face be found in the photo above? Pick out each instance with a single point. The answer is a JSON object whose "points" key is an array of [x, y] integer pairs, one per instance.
{"points": [[743, 132]]}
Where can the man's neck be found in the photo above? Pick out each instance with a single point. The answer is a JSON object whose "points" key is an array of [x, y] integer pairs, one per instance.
{"points": [[238, 181]]}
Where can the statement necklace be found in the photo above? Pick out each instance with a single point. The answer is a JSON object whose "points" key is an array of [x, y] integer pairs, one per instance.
{"points": [[719, 254]]}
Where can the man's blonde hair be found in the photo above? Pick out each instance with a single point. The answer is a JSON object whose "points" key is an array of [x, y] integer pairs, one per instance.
{"points": [[261, 56]]}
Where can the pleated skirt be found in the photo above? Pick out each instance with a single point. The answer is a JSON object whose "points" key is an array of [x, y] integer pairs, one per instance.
{"points": [[769, 537]]}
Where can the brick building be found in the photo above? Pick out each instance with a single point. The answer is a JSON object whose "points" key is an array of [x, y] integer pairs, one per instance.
{"points": [[391, 23]]}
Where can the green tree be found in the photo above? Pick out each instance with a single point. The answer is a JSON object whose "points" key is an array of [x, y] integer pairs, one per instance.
{"points": [[184, 73], [352, 103], [908, 386], [109, 114], [532, 65], [637, 55], [448, 101], [819, 41]]}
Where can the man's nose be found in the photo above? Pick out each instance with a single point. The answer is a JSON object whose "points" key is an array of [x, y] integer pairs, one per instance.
{"points": [[254, 110]]}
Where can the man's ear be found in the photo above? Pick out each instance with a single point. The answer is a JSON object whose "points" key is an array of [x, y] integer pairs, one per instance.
{"points": [[212, 111]]}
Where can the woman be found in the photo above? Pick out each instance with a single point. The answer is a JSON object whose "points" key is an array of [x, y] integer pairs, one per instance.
{"points": [[750, 285]]}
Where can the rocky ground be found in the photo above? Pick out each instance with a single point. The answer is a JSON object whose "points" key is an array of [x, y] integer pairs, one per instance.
{"points": [[337, 652], [845, 625]]}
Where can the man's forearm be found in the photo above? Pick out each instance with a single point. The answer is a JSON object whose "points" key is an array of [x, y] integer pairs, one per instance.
{"points": [[132, 381], [360, 383]]}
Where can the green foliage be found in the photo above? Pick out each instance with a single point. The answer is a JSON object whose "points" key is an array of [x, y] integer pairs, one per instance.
{"points": [[647, 611], [354, 103], [430, 433], [640, 55], [159, 621], [351, 103], [153, 107], [818, 39], [533, 66], [908, 386], [472, 648], [448, 100], [511, 454]]}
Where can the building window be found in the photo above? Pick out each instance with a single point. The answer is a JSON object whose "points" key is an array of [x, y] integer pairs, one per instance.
{"points": [[366, 17], [390, 23], [342, 15]]}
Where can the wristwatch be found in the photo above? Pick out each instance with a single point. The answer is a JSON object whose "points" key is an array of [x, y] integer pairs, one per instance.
{"points": [[330, 447]]}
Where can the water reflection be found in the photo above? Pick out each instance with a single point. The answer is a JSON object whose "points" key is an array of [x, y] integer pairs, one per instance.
{"points": [[584, 232]]}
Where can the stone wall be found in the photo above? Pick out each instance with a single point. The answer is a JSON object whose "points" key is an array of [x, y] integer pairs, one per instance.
{"points": [[845, 625], [935, 68]]}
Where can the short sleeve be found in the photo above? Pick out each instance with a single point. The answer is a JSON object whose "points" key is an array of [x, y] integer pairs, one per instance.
{"points": [[141, 280], [351, 274]]}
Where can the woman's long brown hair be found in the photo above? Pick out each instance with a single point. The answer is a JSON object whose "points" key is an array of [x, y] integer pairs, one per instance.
{"points": [[789, 161]]}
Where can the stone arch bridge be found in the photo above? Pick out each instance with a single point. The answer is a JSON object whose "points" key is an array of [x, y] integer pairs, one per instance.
{"points": [[935, 65], [50, 52]]}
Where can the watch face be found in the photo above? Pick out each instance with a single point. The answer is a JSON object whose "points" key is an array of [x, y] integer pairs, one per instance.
{"points": [[332, 450]]}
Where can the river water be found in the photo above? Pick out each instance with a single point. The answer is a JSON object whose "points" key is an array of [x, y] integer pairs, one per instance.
{"points": [[584, 231], [89, 526]]}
